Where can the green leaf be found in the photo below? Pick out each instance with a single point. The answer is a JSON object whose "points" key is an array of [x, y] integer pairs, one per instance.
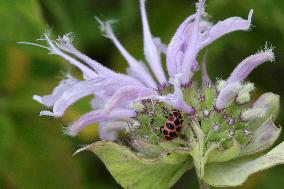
{"points": [[132, 170], [235, 172], [148, 150], [217, 155], [263, 138]]}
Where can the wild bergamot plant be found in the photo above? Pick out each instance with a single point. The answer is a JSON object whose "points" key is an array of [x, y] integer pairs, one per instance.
{"points": [[156, 126]]}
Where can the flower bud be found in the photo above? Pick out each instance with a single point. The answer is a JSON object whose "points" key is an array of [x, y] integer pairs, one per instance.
{"points": [[220, 85], [270, 102], [253, 113], [243, 98], [244, 94], [137, 106], [227, 95]]}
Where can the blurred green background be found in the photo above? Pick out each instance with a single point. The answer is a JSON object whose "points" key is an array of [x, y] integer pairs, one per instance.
{"points": [[33, 151]]}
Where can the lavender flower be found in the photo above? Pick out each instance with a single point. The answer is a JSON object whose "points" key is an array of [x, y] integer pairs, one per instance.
{"points": [[116, 90], [217, 123]]}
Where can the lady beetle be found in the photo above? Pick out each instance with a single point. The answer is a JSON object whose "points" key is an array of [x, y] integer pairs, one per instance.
{"points": [[172, 126]]}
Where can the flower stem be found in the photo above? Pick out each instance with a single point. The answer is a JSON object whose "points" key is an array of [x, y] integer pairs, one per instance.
{"points": [[202, 184]]}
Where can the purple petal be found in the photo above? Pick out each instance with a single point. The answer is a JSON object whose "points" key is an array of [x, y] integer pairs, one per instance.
{"points": [[49, 100], [193, 46], [104, 135], [205, 78], [224, 27], [121, 80], [179, 44], [84, 88], [127, 94], [182, 54], [65, 43], [151, 52], [162, 48], [87, 72], [108, 129], [142, 73], [175, 99], [111, 85], [227, 95], [99, 100], [76, 92], [247, 65], [136, 67], [98, 116]]}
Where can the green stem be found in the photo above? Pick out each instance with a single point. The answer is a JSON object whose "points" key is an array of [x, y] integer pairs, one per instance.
{"points": [[202, 184]]}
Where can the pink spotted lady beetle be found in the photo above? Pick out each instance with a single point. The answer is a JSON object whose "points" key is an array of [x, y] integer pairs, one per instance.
{"points": [[172, 126]]}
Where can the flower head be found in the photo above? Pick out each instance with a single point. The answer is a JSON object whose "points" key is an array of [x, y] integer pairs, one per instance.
{"points": [[211, 122], [114, 90]]}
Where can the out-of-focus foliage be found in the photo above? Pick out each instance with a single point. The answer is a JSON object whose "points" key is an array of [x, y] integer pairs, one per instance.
{"points": [[33, 151]]}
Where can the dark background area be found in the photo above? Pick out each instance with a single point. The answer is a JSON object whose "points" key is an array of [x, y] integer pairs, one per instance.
{"points": [[33, 151]]}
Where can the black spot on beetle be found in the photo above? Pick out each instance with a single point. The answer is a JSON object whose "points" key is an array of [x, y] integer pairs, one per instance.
{"points": [[165, 132], [177, 122], [171, 118], [173, 134], [176, 114], [170, 126]]}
